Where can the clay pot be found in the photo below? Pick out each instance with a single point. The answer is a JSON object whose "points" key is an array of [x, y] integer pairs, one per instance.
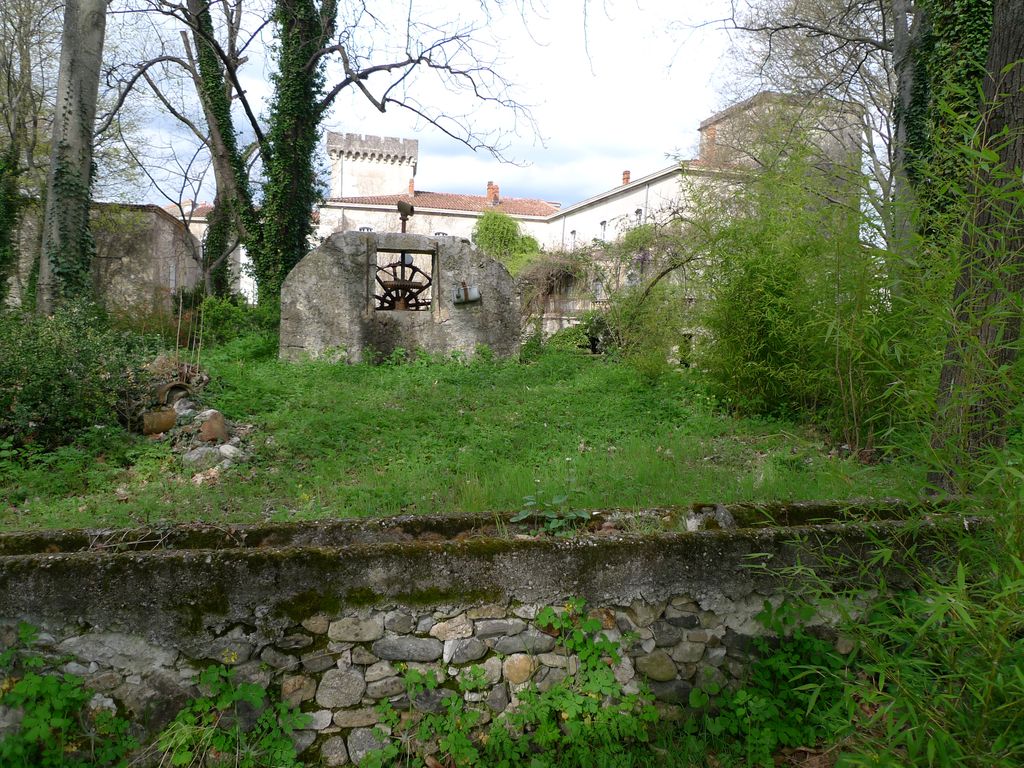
{"points": [[158, 420]]}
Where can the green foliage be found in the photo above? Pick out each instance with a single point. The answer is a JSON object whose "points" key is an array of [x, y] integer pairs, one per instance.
{"points": [[798, 320], [65, 373], [216, 242], [499, 236], [949, 64], [71, 261], [212, 730], [584, 720], [217, 103], [941, 666], [792, 695], [227, 319], [58, 728], [10, 206], [457, 437], [291, 189], [556, 514]]}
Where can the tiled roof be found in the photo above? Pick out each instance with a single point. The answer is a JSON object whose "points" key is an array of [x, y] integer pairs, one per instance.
{"points": [[514, 206]]}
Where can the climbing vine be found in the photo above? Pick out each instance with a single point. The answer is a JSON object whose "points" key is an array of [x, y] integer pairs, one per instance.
{"points": [[291, 189], [949, 65], [70, 254], [215, 247], [232, 212], [10, 204]]}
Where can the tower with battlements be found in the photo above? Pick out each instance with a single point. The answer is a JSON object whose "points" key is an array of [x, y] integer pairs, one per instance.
{"points": [[362, 166]]}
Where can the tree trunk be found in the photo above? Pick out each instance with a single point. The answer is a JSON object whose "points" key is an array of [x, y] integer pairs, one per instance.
{"points": [[66, 260], [907, 26], [974, 395]]}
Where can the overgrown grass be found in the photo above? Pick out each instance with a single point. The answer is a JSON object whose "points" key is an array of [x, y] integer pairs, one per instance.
{"points": [[440, 436]]}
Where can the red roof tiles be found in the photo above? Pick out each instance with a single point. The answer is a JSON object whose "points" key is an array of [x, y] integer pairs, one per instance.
{"points": [[514, 206]]}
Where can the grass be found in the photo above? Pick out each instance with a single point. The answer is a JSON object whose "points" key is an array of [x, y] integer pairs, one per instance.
{"points": [[438, 436]]}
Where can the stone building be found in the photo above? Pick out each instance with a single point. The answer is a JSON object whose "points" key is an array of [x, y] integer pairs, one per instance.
{"points": [[143, 256], [370, 175]]}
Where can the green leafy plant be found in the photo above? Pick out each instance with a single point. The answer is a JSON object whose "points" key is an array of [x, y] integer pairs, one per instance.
{"points": [[58, 728], [585, 719], [556, 514], [213, 730], [64, 373], [792, 695], [940, 668]]}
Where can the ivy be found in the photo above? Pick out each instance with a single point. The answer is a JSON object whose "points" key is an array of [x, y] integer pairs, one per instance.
{"points": [[239, 207], [10, 205], [291, 190], [215, 244], [949, 66], [70, 254]]}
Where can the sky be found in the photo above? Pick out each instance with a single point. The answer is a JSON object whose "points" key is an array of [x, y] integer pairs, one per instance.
{"points": [[612, 85], [623, 89]]}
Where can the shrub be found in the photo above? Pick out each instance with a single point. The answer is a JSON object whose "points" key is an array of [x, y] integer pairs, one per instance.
{"points": [[64, 373], [227, 319], [500, 237]]}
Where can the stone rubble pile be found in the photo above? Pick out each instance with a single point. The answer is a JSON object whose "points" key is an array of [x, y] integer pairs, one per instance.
{"points": [[206, 441]]}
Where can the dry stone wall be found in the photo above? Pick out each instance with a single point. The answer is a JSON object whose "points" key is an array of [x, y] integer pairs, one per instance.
{"points": [[331, 615]]}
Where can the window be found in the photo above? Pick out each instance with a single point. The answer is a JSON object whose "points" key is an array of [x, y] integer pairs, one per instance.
{"points": [[404, 281], [366, 229]]}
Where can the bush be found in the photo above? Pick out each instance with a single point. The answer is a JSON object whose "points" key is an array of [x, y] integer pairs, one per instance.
{"points": [[65, 373], [225, 320], [499, 236]]}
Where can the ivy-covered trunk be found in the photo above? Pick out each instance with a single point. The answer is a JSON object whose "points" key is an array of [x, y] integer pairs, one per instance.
{"points": [[291, 189], [10, 202], [234, 210], [977, 391], [66, 260]]}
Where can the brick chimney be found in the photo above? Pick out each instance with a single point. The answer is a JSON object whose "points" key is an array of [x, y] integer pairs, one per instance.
{"points": [[412, 186], [625, 178], [492, 193]]}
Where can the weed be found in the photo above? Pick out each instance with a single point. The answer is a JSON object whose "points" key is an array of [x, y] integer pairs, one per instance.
{"points": [[792, 696], [212, 729], [556, 514], [58, 727], [585, 719]]}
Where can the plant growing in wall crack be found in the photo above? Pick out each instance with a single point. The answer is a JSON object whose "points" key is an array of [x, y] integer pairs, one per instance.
{"points": [[792, 697], [556, 514], [216, 729], [584, 719]]}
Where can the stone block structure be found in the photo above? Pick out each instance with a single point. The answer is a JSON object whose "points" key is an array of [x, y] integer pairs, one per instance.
{"points": [[364, 291], [143, 255], [328, 613]]}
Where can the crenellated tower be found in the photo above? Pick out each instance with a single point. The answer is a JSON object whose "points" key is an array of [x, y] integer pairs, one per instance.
{"points": [[370, 165]]}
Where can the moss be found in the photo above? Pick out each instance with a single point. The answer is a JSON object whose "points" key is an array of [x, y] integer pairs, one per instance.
{"points": [[213, 600], [422, 598], [308, 603]]}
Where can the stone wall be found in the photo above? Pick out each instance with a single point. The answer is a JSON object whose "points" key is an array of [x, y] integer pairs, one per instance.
{"points": [[327, 301], [330, 613], [143, 255]]}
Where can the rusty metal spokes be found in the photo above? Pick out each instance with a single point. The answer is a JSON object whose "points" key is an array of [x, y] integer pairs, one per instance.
{"points": [[403, 286]]}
